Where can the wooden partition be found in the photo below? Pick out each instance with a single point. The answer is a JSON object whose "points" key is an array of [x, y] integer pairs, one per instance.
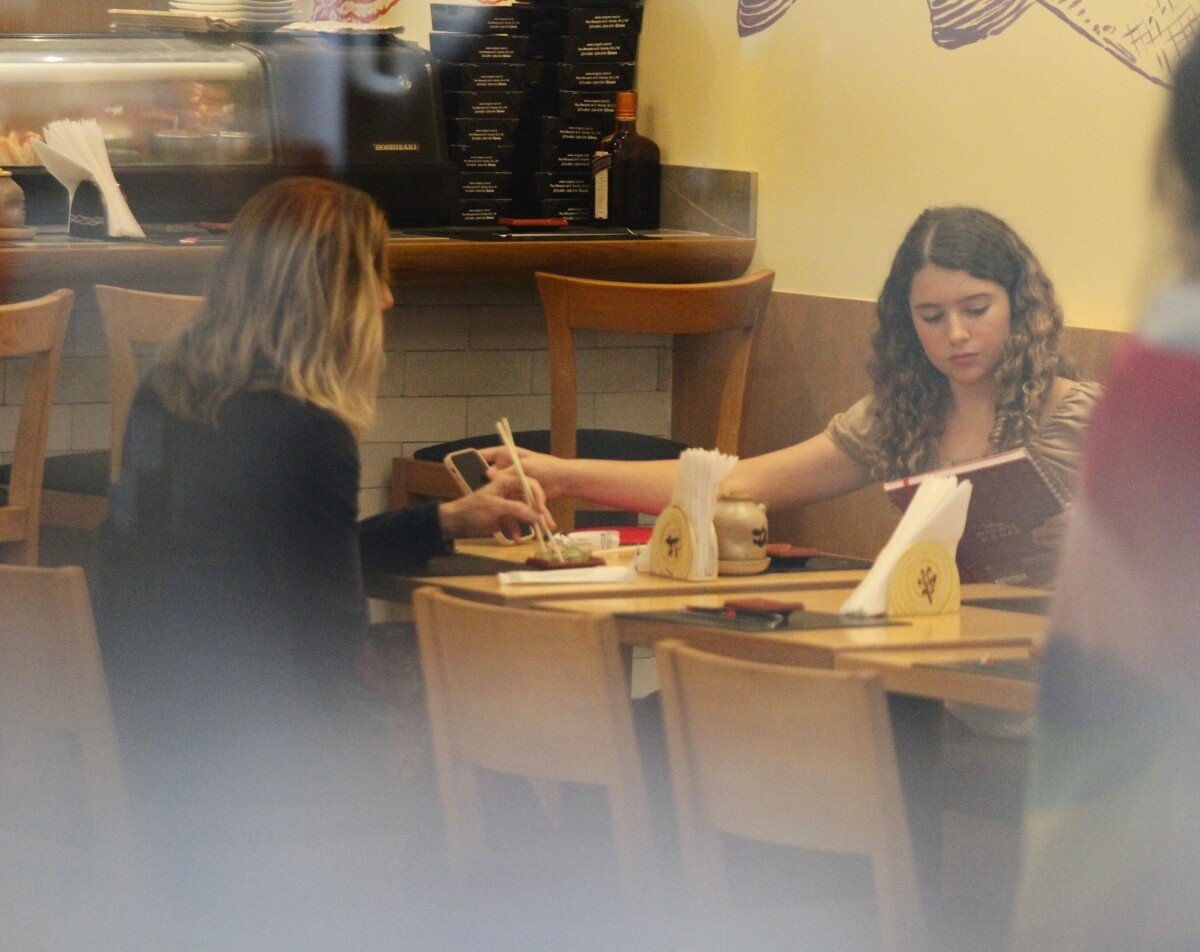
{"points": [[810, 363]]}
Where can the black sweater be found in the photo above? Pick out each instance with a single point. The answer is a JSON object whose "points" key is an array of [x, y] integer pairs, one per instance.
{"points": [[229, 577]]}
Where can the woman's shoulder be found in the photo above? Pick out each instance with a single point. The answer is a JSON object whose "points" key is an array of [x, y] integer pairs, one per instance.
{"points": [[854, 431], [273, 412], [858, 416], [1072, 401], [1071, 405]]}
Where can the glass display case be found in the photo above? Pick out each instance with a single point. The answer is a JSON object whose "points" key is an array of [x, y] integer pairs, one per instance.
{"points": [[194, 125], [159, 101]]}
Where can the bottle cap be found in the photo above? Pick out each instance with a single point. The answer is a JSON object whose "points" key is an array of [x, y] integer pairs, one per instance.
{"points": [[626, 107]]}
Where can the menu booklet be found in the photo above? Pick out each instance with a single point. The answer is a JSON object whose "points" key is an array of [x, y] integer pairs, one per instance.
{"points": [[1012, 495]]}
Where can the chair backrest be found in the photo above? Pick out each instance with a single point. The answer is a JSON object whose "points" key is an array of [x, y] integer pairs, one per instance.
{"points": [[735, 307], [136, 317], [538, 694], [62, 797], [31, 329], [730, 309], [788, 755]]}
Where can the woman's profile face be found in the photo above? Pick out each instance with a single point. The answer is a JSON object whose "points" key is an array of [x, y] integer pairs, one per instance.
{"points": [[962, 322]]}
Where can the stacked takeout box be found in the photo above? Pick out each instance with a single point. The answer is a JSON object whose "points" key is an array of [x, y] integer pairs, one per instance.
{"points": [[529, 90]]}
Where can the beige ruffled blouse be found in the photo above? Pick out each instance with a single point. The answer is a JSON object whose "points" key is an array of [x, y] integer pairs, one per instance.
{"points": [[1058, 444]]}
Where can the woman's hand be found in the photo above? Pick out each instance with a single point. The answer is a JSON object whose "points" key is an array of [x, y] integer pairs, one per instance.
{"points": [[499, 506], [547, 470]]}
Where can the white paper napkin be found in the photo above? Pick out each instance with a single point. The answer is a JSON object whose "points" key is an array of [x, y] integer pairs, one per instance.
{"points": [[698, 482], [590, 574], [937, 513]]}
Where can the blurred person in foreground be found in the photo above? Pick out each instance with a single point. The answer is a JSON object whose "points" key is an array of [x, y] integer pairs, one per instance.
{"points": [[230, 580], [1112, 834]]}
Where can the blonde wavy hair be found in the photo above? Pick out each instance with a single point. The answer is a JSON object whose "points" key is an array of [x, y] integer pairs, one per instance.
{"points": [[293, 306], [911, 397]]}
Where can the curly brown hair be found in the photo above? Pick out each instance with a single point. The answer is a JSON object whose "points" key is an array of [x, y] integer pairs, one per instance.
{"points": [[911, 397]]}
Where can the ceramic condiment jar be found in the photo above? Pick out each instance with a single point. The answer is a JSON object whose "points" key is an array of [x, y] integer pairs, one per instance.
{"points": [[12, 202], [741, 526]]}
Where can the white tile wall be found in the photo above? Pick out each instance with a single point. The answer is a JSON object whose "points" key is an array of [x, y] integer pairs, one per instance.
{"points": [[438, 373], [91, 426], [503, 328], [376, 459], [427, 328], [457, 360], [422, 419], [524, 412], [8, 426], [648, 412]]}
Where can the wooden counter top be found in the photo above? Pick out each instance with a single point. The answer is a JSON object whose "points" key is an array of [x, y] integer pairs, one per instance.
{"points": [[33, 268]]}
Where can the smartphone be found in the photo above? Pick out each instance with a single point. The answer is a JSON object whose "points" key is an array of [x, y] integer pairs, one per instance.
{"points": [[468, 469]]}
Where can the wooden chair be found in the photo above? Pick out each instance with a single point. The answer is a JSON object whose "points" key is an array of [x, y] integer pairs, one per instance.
{"points": [[715, 323], [75, 489], [33, 329], [64, 847], [542, 695], [786, 755]]}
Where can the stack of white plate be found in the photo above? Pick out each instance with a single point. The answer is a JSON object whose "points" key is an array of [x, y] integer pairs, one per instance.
{"points": [[250, 14]]}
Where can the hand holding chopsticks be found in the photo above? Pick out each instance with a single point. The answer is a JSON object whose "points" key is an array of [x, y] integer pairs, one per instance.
{"points": [[546, 540]]}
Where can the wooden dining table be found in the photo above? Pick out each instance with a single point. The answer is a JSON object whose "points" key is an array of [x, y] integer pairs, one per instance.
{"points": [[973, 626], [487, 587], [999, 677], [911, 654]]}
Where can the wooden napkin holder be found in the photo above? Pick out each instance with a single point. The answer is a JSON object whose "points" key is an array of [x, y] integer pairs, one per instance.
{"points": [[674, 546], [924, 582]]}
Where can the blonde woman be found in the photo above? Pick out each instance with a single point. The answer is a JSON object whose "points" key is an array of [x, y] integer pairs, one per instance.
{"points": [[230, 592]]}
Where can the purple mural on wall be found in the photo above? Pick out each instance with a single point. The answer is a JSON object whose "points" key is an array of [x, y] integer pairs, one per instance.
{"points": [[1145, 35], [756, 15]]}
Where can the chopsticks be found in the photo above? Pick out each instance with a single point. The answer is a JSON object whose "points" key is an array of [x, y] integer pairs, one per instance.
{"points": [[545, 537]]}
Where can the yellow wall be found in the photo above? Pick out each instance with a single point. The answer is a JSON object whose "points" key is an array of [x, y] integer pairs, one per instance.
{"points": [[855, 121]]}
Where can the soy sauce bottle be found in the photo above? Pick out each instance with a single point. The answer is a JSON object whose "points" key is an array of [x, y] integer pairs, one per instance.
{"points": [[625, 173]]}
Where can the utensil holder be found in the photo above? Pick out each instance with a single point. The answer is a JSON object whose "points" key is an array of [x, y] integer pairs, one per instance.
{"points": [[87, 216], [675, 544], [924, 582]]}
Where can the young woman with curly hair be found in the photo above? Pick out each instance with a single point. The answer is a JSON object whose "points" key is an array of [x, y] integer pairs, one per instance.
{"points": [[965, 364]]}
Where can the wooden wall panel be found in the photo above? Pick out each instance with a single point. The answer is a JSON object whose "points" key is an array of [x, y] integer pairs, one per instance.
{"points": [[810, 363]]}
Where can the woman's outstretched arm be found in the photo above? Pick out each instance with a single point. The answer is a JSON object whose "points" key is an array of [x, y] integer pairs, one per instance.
{"points": [[809, 471], [804, 472]]}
